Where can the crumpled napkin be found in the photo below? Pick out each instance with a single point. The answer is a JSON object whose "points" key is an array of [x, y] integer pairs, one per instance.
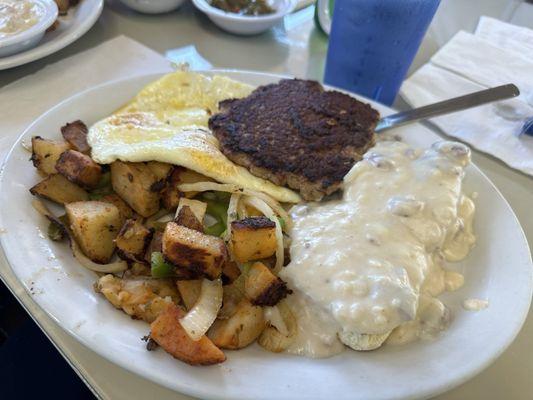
{"points": [[498, 53]]}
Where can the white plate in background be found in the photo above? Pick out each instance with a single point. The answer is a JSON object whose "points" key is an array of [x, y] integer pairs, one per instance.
{"points": [[498, 269], [71, 27]]}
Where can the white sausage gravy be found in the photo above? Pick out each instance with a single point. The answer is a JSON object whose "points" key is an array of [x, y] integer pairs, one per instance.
{"points": [[367, 268]]}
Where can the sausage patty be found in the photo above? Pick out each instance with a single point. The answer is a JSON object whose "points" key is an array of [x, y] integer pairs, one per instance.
{"points": [[296, 134]]}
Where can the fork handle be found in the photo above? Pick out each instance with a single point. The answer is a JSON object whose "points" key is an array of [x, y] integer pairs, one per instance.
{"points": [[448, 106]]}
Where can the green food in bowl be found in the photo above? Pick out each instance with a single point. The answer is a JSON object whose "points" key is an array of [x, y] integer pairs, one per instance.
{"points": [[244, 7]]}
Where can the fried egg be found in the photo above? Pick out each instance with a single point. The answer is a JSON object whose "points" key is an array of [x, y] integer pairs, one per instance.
{"points": [[167, 122]]}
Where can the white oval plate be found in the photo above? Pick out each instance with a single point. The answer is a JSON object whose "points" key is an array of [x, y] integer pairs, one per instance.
{"points": [[72, 26], [498, 269]]}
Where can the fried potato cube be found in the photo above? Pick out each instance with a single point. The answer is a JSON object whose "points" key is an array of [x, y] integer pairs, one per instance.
{"points": [[132, 240], [62, 6], [138, 269], [161, 172], [262, 287], [75, 133], [190, 291], [125, 210], [57, 188], [194, 251], [168, 333], [191, 213], [171, 195], [232, 295], [52, 27], [231, 271], [187, 218], [253, 238], [141, 298], [241, 329], [79, 168], [95, 225], [133, 183], [46, 152], [198, 208], [156, 245]]}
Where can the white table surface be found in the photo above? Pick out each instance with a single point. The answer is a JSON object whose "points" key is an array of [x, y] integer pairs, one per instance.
{"points": [[295, 48]]}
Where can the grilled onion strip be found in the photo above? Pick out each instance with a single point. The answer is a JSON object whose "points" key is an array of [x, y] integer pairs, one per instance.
{"points": [[202, 315], [231, 188]]}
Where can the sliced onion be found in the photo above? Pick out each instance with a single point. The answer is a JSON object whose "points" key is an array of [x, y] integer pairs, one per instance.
{"points": [[166, 218], [39, 206], [231, 188], [232, 214], [241, 210], [233, 294], [110, 268], [274, 318], [26, 146], [269, 213], [151, 221], [209, 220], [200, 318], [272, 338]]}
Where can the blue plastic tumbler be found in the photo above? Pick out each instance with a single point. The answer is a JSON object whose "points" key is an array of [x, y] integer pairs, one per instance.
{"points": [[373, 42]]}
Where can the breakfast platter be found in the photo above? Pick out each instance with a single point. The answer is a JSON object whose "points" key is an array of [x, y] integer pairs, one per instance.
{"points": [[115, 113], [69, 26]]}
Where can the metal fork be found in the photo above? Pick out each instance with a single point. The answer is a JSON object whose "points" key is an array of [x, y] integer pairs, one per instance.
{"points": [[448, 106]]}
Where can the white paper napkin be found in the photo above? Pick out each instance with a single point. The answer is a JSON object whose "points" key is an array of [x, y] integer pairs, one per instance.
{"points": [[485, 63], [507, 36], [26, 99], [497, 54]]}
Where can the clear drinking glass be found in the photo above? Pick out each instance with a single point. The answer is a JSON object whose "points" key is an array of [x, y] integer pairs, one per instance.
{"points": [[373, 42]]}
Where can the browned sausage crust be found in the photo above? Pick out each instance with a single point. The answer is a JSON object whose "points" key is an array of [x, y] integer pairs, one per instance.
{"points": [[295, 133]]}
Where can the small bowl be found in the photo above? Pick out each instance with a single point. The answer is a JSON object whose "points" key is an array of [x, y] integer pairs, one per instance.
{"points": [[244, 24], [153, 6], [29, 38]]}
